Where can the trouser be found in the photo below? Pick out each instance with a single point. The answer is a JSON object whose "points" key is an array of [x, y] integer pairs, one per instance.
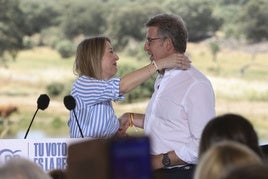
{"points": [[185, 172]]}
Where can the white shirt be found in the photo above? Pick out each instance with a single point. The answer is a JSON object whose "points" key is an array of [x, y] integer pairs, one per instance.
{"points": [[181, 105]]}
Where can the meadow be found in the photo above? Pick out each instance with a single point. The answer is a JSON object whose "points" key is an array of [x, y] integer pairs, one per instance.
{"points": [[27, 77]]}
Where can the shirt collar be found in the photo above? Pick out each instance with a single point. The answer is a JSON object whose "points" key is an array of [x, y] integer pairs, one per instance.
{"points": [[171, 72]]}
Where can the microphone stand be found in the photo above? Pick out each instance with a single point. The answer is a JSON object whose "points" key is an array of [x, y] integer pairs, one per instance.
{"points": [[70, 104], [42, 103], [79, 127], [30, 124]]}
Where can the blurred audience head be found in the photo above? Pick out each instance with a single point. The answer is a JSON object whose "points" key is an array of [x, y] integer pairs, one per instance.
{"points": [[223, 156], [229, 127], [57, 174], [251, 171], [20, 168]]}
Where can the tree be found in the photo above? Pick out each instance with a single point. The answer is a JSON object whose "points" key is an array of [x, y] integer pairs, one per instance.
{"points": [[83, 18], [39, 15], [11, 25], [198, 16], [253, 21], [214, 49], [128, 23], [65, 48]]}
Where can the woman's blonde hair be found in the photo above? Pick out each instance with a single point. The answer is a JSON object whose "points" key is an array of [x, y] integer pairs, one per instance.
{"points": [[223, 156], [89, 54]]}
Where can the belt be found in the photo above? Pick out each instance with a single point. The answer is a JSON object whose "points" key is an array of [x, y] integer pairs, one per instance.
{"points": [[185, 167]]}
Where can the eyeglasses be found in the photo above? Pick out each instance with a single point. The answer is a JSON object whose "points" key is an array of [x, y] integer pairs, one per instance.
{"points": [[149, 40]]}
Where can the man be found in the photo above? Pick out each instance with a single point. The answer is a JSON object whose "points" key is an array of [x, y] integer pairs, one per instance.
{"points": [[181, 105]]}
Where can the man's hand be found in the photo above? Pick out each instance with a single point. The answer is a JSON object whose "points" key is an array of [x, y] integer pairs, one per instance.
{"points": [[123, 124]]}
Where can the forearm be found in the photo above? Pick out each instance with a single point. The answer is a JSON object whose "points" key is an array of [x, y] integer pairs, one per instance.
{"points": [[174, 160], [137, 120], [134, 79]]}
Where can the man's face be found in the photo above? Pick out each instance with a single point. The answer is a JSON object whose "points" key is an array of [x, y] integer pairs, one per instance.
{"points": [[154, 45]]}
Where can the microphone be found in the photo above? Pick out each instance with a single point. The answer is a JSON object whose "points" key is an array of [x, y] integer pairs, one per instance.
{"points": [[70, 104], [42, 103]]}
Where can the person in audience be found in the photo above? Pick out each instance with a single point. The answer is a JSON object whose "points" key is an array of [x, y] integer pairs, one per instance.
{"points": [[21, 168], [223, 156], [229, 127], [96, 87], [251, 171], [57, 174], [264, 149]]}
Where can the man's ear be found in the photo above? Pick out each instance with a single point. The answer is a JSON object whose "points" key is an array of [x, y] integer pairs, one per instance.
{"points": [[169, 44]]}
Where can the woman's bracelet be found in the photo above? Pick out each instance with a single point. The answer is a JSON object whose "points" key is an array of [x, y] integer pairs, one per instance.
{"points": [[155, 66], [131, 118], [131, 121]]}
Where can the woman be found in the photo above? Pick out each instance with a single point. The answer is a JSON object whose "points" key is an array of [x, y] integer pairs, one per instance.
{"points": [[250, 171], [223, 156], [232, 127], [96, 87]]}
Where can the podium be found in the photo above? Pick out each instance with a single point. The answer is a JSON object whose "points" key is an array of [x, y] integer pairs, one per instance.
{"points": [[84, 158], [49, 153]]}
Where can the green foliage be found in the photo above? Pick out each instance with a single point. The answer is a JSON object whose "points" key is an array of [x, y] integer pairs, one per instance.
{"points": [[11, 25], [65, 48], [142, 92], [55, 89], [198, 16], [128, 23], [51, 36], [83, 18], [122, 20], [27, 42], [136, 49], [253, 21], [38, 15], [244, 19], [227, 15], [214, 48], [228, 2], [57, 123]]}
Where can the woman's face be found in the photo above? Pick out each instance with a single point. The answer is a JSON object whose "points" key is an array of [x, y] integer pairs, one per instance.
{"points": [[108, 62]]}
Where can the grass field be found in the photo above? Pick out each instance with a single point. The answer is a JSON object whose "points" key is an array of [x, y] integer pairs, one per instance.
{"points": [[26, 78]]}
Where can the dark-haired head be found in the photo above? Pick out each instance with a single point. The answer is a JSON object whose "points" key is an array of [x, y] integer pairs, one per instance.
{"points": [[173, 27], [232, 127]]}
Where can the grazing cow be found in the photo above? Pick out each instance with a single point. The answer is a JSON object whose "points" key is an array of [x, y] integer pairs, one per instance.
{"points": [[7, 110]]}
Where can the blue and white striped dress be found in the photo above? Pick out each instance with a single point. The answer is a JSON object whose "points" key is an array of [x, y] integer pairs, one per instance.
{"points": [[94, 108]]}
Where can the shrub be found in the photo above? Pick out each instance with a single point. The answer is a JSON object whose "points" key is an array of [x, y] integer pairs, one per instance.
{"points": [[65, 48], [55, 89]]}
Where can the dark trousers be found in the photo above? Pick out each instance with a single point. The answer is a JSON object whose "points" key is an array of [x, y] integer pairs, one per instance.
{"points": [[185, 172]]}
